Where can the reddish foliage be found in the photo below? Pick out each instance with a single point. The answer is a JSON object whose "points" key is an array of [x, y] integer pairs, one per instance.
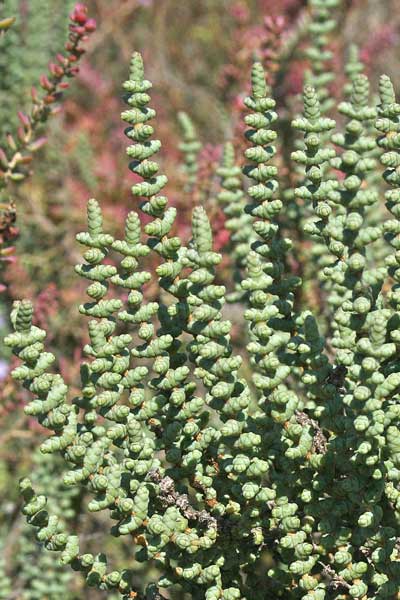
{"points": [[380, 40]]}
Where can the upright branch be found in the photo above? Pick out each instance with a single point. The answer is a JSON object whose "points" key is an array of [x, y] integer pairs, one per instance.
{"points": [[232, 199], [353, 68], [190, 147], [320, 29]]}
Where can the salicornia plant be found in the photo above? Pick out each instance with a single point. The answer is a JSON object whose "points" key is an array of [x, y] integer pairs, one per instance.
{"points": [[280, 484]]}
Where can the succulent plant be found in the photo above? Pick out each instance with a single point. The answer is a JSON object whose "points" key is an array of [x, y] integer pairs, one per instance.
{"points": [[254, 474]]}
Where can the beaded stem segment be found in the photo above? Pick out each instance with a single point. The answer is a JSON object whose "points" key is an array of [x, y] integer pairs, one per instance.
{"points": [[320, 28], [190, 147], [232, 199]]}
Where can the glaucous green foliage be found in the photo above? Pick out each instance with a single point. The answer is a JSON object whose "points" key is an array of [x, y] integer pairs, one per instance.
{"points": [[36, 36], [233, 202], [282, 485], [190, 147]]}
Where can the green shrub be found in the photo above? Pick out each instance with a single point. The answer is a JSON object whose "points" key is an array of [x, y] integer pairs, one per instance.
{"points": [[283, 484]]}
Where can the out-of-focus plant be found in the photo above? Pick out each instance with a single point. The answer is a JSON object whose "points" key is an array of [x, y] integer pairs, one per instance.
{"points": [[190, 148], [17, 149], [37, 35]]}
